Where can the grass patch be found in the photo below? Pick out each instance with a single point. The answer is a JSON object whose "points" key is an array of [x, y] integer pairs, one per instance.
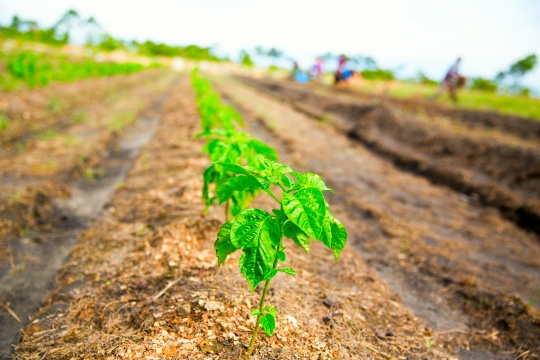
{"points": [[4, 123], [120, 121], [518, 105]]}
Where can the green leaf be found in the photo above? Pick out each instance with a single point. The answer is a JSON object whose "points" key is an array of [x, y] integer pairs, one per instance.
{"points": [[335, 235], [234, 168], [243, 170], [306, 208], [256, 312], [288, 271], [307, 180], [261, 149], [210, 175], [270, 274], [238, 183], [269, 309], [257, 232], [293, 232], [253, 227], [241, 200], [287, 181], [281, 256], [272, 171], [268, 324], [223, 244]]}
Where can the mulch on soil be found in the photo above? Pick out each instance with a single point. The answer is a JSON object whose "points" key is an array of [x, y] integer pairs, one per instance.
{"points": [[464, 260], [143, 283]]}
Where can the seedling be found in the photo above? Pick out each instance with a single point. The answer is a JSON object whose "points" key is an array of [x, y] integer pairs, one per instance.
{"points": [[235, 148], [225, 143], [302, 213]]}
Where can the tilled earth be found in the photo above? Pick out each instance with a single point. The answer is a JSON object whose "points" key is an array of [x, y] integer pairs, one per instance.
{"points": [[496, 167], [428, 272]]}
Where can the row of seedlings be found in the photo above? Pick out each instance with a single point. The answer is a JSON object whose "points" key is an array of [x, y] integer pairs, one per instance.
{"points": [[242, 167]]}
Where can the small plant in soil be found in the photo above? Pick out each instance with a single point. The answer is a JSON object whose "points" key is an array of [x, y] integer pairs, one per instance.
{"points": [[225, 143], [301, 213]]}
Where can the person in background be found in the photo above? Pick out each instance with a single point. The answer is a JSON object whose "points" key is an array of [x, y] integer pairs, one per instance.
{"points": [[318, 69], [344, 76], [452, 81], [298, 75]]}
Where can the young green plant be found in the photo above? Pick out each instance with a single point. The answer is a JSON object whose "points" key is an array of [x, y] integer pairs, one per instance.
{"points": [[302, 213], [225, 143]]}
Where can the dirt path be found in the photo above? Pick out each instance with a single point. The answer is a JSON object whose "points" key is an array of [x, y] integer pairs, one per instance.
{"points": [[448, 258]]}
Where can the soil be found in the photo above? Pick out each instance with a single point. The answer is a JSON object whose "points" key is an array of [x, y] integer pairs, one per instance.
{"points": [[43, 217], [496, 171], [451, 274], [428, 273]]}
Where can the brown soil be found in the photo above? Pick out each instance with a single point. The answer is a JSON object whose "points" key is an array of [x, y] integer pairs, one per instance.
{"points": [[441, 253], [43, 209], [523, 127], [494, 172], [110, 300], [427, 273], [60, 105]]}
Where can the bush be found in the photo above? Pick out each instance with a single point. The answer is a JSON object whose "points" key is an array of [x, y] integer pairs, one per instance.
{"points": [[378, 74], [479, 83]]}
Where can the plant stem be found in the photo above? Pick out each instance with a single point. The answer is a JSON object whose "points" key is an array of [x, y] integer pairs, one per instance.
{"points": [[261, 306], [227, 210]]}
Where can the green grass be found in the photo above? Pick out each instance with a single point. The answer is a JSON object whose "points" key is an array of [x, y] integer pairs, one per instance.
{"points": [[37, 69], [4, 123], [518, 105]]}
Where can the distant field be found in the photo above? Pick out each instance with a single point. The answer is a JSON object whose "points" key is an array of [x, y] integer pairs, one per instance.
{"points": [[518, 105]]}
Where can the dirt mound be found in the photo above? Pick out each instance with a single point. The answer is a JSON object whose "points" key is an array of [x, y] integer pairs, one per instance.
{"points": [[493, 172], [523, 127]]}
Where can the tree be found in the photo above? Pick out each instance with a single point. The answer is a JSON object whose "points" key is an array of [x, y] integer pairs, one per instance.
{"points": [[519, 69], [245, 59]]}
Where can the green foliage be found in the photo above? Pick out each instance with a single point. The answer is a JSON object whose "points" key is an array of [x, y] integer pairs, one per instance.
{"points": [[302, 213], [30, 31], [378, 74], [225, 143], [37, 69], [512, 77], [194, 52], [245, 59], [479, 83], [523, 66], [108, 43], [4, 123], [242, 168]]}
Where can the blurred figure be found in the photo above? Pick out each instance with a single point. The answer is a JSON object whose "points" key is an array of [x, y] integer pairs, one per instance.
{"points": [[317, 71], [344, 76], [452, 81], [298, 75]]}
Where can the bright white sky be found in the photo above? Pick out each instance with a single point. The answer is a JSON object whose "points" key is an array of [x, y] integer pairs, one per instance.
{"points": [[408, 35]]}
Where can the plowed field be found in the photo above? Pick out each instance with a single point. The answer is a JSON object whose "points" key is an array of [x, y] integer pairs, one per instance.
{"points": [[106, 251]]}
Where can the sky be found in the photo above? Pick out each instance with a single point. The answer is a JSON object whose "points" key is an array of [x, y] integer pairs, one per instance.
{"points": [[407, 36]]}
